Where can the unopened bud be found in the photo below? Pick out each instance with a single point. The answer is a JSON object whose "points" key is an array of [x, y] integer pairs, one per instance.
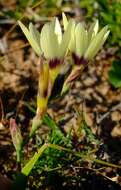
{"points": [[36, 123], [16, 137]]}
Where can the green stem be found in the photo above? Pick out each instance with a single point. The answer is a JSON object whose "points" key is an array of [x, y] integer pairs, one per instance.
{"points": [[18, 154], [106, 163]]}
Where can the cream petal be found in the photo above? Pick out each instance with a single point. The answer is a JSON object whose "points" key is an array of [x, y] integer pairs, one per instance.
{"points": [[72, 43], [81, 39], [96, 43], [58, 31], [45, 40], [65, 21], [96, 27], [106, 36], [30, 38], [34, 33], [93, 30], [66, 38], [102, 42], [48, 41]]}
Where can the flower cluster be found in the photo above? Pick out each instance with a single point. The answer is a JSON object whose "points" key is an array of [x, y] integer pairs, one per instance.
{"points": [[52, 45]]}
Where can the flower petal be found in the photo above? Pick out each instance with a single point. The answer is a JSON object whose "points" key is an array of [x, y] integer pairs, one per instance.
{"points": [[65, 21], [72, 43], [58, 31], [97, 43], [30, 38], [93, 30], [81, 38], [66, 38], [34, 33], [49, 41]]}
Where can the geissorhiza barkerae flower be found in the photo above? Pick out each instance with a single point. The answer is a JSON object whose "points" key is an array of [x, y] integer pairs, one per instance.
{"points": [[54, 45], [84, 45], [33, 36], [50, 43]]}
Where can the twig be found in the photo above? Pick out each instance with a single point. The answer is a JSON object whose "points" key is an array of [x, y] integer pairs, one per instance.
{"points": [[107, 113], [17, 48], [97, 171]]}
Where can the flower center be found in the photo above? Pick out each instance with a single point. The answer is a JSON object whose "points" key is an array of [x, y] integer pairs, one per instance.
{"points": [[53, 63], [79, 60]]}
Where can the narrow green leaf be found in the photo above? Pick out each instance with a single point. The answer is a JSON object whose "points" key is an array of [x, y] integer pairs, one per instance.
{"points": [[28, 167]]}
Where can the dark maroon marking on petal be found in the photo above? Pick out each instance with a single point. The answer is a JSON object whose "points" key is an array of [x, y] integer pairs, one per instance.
{"points": [[45, 93], [79, 60], [53, 63]]}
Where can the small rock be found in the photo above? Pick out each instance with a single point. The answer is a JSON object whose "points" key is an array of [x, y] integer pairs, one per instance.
{"points": [[116, 132], [116, 116]]}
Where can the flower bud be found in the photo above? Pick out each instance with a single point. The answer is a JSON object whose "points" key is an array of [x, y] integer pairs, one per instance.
{"points": [[16, 137], [36, 123]]}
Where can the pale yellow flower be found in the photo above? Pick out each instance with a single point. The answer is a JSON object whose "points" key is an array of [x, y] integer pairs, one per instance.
{"points": [[88, 43], [85, 44], [50, 43]]}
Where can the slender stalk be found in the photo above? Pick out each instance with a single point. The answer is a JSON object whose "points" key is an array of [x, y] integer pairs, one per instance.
{"points": [[84, 157], [18, 154]]}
